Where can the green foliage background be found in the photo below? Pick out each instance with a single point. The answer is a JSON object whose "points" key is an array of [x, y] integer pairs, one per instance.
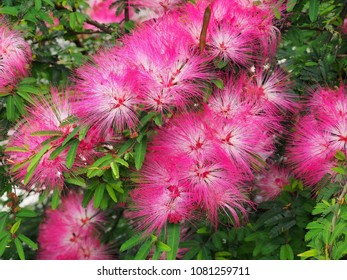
{"points": [[300, 223]]}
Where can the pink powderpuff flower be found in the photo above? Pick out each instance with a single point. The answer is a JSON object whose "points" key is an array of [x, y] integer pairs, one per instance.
{"points": [[186, 135], [310, 152], [271, 89], [45, 128], [70, 232], [344, 27], [161, 196], [109, 93], [271, 181], [215, 188], [15, 57], [166, 66], [238, 139], [320, 135]]}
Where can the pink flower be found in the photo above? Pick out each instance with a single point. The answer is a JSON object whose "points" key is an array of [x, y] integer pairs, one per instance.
{"points": [[271, 181], [71, 233], [310, 152], [15, 57], [238, 31], [271, 89], [109, 94], [170, 72], [45, 128], [161, 196]]}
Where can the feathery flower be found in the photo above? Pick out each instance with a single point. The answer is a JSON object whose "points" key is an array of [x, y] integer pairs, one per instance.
{"points": [[161, 196], [166, 66], [271, 181], [271, 89], [109, 94], [45, 128], [70, 232], [15, 56]]}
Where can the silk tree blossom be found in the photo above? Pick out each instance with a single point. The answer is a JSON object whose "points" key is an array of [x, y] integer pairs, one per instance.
{"points": [[109, 93], [186, 135], [15, 57], [318, 136], [165, 65], [271, 181], [239, 33], [161, 196], [44, 129], [271, 90], [310, 152], [70, 232]]}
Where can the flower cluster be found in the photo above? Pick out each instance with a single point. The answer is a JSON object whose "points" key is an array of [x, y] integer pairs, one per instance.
{"points": [[199, 163], [318, 136], [70, 232], [15, 56]]}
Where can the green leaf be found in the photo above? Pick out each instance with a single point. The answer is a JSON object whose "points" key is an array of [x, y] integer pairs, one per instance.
{"points": [[3, 220], [121, 161], [99, 193], [38, 5], [132, 242], [313, 10], [49, 2], [55, 198], [129, 25], [29, 89], [340, 155], [47, 133], [111, 192], [19, 247], [34, 163], [290, 5], [10, 109], [71, 135], [191, 253], [163, 247], [71, 154], [140, 152], [173, 240], [73, 21], [340, 250], [219, 83], [277, 12], [87, 197], [83, 132], [144, 250], [26, 213], [13, 11], [115, 170], [309, 254], [3, 243], [126, 147], [16, 149], [28, 241], [286, 252], [15, 227], [78, 181], [339, 170], [57, 152]]}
